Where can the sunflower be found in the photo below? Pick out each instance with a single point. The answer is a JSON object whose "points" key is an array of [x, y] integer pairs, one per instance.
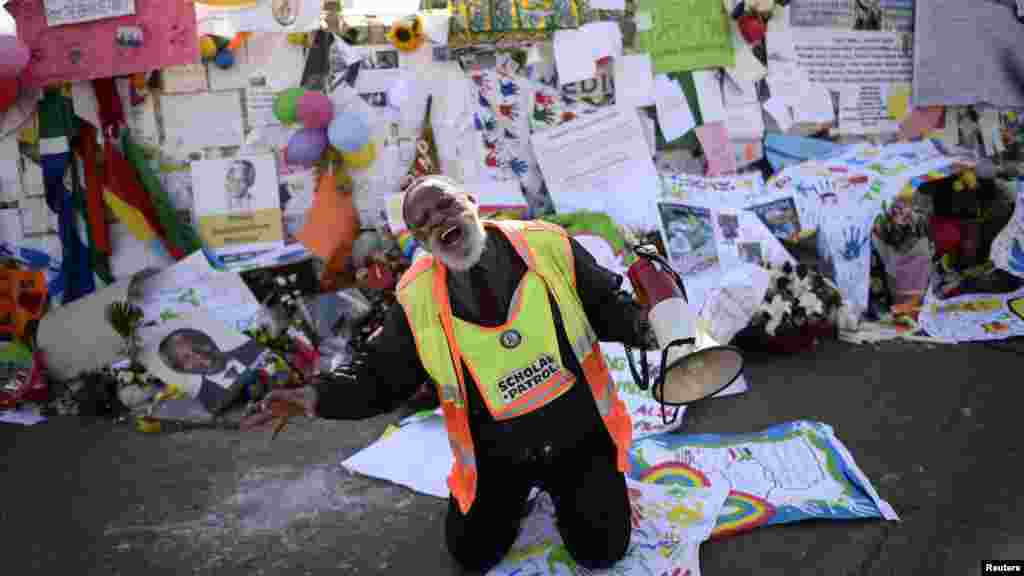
{"points": [[407, 34]]}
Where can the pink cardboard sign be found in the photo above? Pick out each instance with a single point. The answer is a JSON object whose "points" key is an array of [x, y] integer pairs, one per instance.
{"points": [[161, 33]]}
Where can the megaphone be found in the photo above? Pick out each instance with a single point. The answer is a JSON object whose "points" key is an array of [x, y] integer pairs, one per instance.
{"points": [[693, 365]]}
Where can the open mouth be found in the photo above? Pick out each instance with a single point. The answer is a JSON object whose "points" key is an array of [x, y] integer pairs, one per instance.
{"points": [[451, 236]]}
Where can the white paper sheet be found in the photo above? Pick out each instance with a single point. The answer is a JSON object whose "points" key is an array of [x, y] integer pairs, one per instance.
{"points": [[574, 56], [60, 12], [264, 16], [674, 115], [192, 284], [605, 38], [11, 232], [590, 163], [274, 61], [634, 81], [780, 112], [196, 121], [608, 4], [259, 106], [815, 106], [416, 456], [10, 182], [709, 96], [183, 79], [863, 66]]}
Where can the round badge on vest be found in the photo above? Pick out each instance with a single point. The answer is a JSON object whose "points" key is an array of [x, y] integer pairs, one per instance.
{"points": [[511, 338]]}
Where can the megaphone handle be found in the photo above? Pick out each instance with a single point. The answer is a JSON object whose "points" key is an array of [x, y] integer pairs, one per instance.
{"points": [[643, 382]]}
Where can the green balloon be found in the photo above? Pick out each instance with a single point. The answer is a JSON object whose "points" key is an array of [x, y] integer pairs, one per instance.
{"points": [[221, 42], [285, 104]]}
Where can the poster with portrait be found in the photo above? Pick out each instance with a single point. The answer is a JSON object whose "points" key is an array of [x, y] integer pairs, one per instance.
{"points": [[689, 237], [781, 217], [237, 206], [205, 358]]}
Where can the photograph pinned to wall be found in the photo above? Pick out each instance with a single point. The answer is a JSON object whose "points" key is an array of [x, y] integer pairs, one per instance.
{"points": [[689, 237], [206, 358], [237, 206], [781, 217], [296, 192]]}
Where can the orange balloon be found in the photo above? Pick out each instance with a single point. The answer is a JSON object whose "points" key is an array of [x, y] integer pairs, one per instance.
{"points": [[8, 93]]}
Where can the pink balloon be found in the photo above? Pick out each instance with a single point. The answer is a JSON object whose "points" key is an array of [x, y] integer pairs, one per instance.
{"points": [[314, 110], [14, 56]]}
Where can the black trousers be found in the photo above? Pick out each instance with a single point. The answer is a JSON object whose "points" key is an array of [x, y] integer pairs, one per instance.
{"points": [[591, 506]]}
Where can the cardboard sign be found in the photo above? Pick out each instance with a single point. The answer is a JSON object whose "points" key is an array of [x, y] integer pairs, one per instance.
{"points": [[159, 34]]}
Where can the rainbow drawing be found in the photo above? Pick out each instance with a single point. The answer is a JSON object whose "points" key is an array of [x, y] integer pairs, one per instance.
{"points": [[742, 512], [674, 473]]}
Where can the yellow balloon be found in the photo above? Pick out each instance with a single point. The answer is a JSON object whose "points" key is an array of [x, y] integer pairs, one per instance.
{"points": [[360, 158], [207, 48]]}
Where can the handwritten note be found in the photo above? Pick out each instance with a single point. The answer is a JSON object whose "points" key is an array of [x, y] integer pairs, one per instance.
{"points": [[674, 115], [686, 35], [59, 12], [718, 151]]}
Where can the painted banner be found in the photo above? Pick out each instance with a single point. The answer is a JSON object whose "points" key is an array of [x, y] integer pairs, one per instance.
{"points": [[787, 473]]}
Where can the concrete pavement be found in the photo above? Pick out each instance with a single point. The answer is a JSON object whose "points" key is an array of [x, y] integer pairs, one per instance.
{"points": [[936, 429]]}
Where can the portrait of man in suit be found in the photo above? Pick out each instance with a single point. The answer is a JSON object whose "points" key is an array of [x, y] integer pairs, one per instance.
{"points": [[194, 352]]}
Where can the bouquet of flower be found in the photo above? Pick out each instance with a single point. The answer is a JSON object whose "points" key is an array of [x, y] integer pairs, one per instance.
{"points": [[797, 297]]}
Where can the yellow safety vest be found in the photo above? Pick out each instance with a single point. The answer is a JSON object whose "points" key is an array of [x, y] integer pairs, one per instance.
{"points": [[530, 373]]}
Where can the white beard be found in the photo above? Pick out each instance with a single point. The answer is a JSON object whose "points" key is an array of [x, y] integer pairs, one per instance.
{"points": [[476, 242]]}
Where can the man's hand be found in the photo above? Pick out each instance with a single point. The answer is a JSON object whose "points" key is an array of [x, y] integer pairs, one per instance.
{"points": [[281, 404]]}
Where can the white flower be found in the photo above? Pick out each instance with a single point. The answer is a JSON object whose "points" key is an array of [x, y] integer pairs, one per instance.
{"points": [[800, 287], [811, 303], [776, 309]]}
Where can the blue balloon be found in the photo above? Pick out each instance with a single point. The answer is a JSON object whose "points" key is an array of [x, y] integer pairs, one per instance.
{"points": [[348, 132], [225, 59]]}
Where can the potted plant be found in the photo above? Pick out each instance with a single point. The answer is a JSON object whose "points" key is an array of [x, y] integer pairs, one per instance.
{"points": [[799, 307]]}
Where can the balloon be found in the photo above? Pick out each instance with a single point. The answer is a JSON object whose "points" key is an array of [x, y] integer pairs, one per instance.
{"points": [[306, 147], [8, 93], [14, 56], [285, 104], [207, 48], [314, 110], [348, 132], [361, 158], [225, 59]]}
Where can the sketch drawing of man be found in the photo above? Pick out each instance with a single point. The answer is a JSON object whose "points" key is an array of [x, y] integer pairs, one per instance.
{"points": [[239, 180]]}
